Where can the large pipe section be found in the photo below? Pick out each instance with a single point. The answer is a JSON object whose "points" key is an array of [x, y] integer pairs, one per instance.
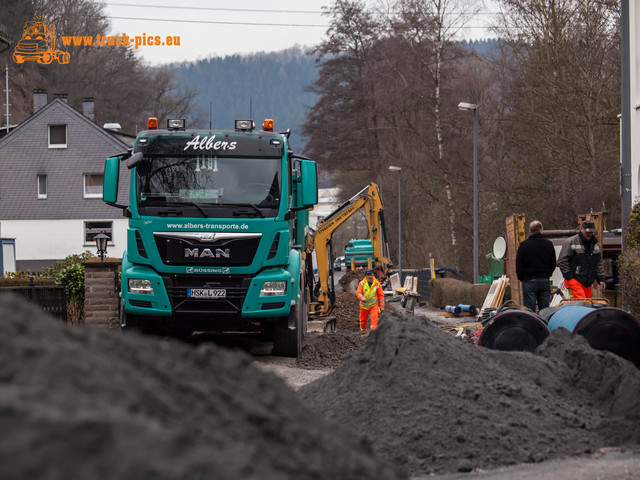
{"points": [[519, 330], [604, 328]]}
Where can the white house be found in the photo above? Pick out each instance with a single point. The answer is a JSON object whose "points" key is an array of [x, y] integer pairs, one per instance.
{"points": [[51, 175]]}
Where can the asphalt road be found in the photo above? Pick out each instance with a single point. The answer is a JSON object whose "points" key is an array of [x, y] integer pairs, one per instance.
{"points": [[608, 464]]}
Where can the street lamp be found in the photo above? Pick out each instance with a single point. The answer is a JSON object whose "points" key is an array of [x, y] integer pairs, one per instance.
{"points": [[474, 107], [101, 244], [399, 170]]}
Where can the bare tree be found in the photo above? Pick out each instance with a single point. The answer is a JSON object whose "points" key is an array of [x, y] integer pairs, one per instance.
{"points": [[124, 88], [342, 125], [561, 62], [427, 29]]}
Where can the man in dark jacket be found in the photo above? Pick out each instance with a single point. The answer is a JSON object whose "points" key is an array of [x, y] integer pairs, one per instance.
{"points": [[580, 261], [535, 263]]}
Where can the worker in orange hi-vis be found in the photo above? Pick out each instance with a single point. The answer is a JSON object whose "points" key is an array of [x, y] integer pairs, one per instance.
{"points": [[371, 298]]}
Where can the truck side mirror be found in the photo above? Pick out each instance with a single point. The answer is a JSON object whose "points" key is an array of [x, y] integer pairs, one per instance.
{"points": [[309, 186], [111, 180]]}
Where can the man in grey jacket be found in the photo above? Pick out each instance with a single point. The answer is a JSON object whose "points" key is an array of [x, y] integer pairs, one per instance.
{"points": [[580, 261]]}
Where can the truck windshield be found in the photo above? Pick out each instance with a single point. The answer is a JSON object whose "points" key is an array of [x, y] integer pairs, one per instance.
{"points": [[208, 181]]}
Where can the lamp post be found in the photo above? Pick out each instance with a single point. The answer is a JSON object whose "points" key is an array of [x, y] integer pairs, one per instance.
{"points": [[101, 244], [399, 170], [474, 107]]}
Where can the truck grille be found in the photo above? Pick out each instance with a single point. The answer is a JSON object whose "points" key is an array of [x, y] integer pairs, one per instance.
{"points": [[236, 290], [200, 249]]}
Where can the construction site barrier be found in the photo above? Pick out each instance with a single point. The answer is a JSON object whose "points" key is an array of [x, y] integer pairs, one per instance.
{"points": [[604, 328], [514, 330]]}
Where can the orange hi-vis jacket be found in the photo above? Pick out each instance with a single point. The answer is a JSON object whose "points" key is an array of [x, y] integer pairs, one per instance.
{"points": [[369, 295]]}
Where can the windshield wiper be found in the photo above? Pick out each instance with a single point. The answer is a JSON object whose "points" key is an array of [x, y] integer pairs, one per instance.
{"points": [[193, 204], [244, 212]]}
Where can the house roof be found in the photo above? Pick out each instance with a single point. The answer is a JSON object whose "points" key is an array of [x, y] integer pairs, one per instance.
{"points": [[25, 153], [68, 108]]}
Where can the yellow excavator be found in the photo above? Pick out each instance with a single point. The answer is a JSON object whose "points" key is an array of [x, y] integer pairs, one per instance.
{"points": [[370, 201]]}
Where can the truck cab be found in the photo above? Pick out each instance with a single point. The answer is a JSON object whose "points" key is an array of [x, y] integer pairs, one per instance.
{"points": [[217, 222]]}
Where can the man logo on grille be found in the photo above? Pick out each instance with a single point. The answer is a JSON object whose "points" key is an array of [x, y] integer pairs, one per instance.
{"points": [[195, 252]]}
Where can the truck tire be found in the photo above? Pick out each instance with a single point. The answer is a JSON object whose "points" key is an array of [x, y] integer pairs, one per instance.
{"points": [[288, 342]]}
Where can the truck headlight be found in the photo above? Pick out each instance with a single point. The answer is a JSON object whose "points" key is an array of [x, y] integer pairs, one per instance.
{"points": [[273, 288], [139, 285]]}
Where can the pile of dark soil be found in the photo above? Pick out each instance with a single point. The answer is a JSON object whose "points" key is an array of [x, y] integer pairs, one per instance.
{"points": [[349, 281], [79, 403], [327, 351], [347, 311], [430, 403]]}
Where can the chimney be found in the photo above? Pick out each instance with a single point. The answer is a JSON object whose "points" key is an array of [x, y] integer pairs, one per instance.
{"points": [[88, 108], [39, 99], [61, 96]]}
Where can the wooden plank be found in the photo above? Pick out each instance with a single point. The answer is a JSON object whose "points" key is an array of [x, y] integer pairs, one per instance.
{"points": [[516, 233]]}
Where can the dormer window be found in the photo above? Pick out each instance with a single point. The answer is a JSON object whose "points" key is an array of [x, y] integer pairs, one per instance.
{"points": [[57, 136]]}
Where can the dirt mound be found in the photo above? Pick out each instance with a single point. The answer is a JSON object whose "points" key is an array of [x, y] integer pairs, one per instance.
{"points": [[349, 281], [347, 311], [431, 403], [78, 403], [328, 350]]}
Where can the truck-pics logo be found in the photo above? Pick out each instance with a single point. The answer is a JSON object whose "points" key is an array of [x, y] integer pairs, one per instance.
{"points": [[38, 43]]}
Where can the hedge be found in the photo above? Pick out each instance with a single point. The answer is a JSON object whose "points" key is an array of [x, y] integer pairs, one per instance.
{"points": [[449, 291]]}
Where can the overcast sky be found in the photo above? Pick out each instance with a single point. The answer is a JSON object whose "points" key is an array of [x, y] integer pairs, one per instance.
{"points": [[222, 27]]}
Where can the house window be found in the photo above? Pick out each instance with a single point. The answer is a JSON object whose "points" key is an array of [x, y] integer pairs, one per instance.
{"points": [[91, 229], [42, 186], [57, 136], [93, 185]]}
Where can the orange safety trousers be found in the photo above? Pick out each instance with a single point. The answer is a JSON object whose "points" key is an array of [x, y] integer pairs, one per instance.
{"points": [[577, 289], [364, 316]]}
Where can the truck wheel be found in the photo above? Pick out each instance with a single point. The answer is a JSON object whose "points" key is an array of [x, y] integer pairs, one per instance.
{"points": [[18, 58], [287, 342]]}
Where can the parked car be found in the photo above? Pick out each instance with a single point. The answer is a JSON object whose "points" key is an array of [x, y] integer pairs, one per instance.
{"points": [[337, 263]]}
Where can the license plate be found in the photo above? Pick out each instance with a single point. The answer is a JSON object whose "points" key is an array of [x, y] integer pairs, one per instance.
{"points": [[207, 293]]}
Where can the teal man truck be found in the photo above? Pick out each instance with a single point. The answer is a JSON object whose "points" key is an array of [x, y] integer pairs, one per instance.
{"points": [[216, 232]]}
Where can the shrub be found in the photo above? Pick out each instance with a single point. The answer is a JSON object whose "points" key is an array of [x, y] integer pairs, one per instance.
{"points": [[72, 277], [22, 275], [629, 263], [60, 265], [21, 280], [629, 274]]}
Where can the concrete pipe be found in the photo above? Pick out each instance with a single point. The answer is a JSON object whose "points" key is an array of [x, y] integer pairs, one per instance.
{"points": [[514, 330], [604, 328]]}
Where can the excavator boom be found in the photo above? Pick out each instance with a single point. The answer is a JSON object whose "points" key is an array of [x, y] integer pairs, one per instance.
{"points": [[370, 201]]}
